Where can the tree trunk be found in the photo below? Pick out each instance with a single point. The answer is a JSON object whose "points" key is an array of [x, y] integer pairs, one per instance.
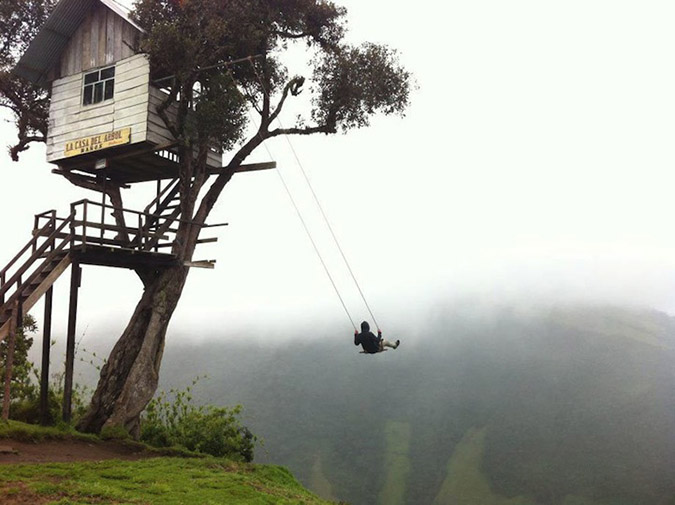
{"points": [[129, 378]]}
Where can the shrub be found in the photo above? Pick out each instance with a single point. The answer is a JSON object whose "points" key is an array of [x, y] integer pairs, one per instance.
{"points": [[20, 385], [206, 429]]}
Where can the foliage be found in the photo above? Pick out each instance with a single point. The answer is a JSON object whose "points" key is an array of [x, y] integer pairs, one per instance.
{"points": [[205, 429], [19, 23], [193, 41], [221, 61], [157, 481], [26, 407], [25, 392], [21, 385]]}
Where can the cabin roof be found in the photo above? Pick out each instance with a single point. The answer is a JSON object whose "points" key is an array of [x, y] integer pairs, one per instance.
{"points": [[46, 48]]}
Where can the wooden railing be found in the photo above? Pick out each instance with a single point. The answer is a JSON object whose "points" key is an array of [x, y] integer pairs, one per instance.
{"points": [[47, 243], [89, 224], [93, 223]]}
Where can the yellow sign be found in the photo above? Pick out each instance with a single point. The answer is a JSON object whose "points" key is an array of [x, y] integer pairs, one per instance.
{"points": [[98, 142]]}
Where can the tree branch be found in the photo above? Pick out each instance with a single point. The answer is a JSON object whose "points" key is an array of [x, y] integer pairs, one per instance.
{"points": [[216, 188], [303, 131], [294, 88], [23, 145], [162, 108], [291, 35]]}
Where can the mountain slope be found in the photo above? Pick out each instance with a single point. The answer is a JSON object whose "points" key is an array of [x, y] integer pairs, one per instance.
{"points": [[577, 405]]}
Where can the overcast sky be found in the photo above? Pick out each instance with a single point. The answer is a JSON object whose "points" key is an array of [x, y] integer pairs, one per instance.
{"points": [[535, 163]]}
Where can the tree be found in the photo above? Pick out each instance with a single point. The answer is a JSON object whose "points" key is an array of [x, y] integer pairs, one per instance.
{"points": [[19, 22], [221, 60]]}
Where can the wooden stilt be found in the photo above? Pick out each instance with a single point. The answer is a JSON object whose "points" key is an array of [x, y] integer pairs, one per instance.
{"points": [[46, 347], [76, 274], [9, 361]]}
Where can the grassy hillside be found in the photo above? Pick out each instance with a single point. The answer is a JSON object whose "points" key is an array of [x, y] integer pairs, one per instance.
{"points": [[161, 481], [152, 478]]}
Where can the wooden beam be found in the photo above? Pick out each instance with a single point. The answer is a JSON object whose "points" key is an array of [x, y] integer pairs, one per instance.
{"points": [[210, 264], [251, 167], [86, 182], [46, 347], [47, 283], [76, 274]]}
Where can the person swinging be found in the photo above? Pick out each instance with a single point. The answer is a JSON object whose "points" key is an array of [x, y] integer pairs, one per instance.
{"points": [[369, 342]]}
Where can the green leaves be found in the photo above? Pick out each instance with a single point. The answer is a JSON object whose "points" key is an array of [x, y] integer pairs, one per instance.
{"points": [[19, 23], [206, 429], [354, 83], [193, 41], [21, 385]]}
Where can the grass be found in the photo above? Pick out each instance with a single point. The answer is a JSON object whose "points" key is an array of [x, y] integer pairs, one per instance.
{"points": [[30, 433], [396, 464], [160, 480], [465, 483], [166, 481]]}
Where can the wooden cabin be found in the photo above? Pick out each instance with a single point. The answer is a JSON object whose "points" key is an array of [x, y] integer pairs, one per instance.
{"points": [[103, 101]]}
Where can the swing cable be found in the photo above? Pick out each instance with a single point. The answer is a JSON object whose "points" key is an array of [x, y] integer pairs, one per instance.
{"points": [[318, 203], [297, 211]]}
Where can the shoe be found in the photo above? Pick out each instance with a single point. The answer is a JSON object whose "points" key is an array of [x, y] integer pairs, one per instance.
{"points": [[398, 342]]}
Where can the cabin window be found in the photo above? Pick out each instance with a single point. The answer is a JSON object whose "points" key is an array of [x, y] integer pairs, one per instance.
{"points": [[98, 86]]}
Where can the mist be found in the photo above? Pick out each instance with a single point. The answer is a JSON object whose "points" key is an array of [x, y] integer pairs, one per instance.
{"points": [[551, 404]]}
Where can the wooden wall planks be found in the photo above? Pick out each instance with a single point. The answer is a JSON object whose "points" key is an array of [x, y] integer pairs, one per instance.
{"points": [[70, 120], [102, 39]]}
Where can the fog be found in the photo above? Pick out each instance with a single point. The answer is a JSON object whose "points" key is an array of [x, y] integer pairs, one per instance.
{"points": [[553, 405], [535, 163], [514, 230]]}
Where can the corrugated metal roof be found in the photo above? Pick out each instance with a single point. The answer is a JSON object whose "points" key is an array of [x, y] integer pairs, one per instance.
{"points": [[46, 48]]}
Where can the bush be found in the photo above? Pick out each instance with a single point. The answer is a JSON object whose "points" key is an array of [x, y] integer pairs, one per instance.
{"points": [[205, 429], [20, 385]]}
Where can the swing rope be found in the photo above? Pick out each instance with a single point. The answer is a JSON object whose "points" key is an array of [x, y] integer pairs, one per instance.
{"points": [[311, 239], [299, 214], [318, 204]]}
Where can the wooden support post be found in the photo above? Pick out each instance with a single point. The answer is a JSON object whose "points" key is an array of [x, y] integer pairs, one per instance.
{"points": [[76, 274], [15, 322], [46, 347]]}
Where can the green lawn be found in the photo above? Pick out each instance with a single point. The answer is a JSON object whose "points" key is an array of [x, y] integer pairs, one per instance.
{"points": [[163, 481]]}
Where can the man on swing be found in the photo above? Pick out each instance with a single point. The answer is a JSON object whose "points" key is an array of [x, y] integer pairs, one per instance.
{"points": [[369, 342]]}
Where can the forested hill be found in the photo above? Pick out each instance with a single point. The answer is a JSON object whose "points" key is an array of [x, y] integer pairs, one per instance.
{"points": [[547, 407]]}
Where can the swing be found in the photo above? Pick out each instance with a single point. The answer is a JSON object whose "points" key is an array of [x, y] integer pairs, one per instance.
{"points": [[323, 214]]}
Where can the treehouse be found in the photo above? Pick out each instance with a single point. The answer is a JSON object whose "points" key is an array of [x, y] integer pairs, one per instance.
{"points": [[103, 111], [104, 134]]}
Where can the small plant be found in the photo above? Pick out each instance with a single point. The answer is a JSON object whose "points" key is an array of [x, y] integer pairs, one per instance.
{"points": [[206, 429], [114, 433]]}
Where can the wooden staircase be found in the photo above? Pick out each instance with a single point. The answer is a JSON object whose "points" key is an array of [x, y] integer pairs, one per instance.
{"points": [[164, 211], [47, 258], [90, 235]]}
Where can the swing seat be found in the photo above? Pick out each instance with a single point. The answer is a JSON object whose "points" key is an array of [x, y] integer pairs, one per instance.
{"points": [[377, 352]]}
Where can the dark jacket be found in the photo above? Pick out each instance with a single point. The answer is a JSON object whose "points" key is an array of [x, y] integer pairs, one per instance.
{"points": [[367, 340]]}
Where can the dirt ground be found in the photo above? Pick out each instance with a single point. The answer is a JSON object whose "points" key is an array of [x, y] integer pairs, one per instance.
{"points": [[57, 451], [64, 451]]}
